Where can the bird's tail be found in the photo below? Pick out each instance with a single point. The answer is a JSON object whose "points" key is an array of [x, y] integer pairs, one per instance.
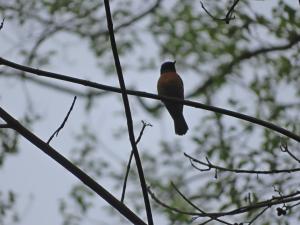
{"points": [[180, 125]]}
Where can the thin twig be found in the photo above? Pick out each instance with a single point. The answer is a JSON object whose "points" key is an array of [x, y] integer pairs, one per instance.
{"points": [[230, 12], [258, 215], [87, 180], [210, 166], [227, 68], [228, 16], [199, 105], [243, 209], [194, 206], [130, 159], [136, 17], [205, 222], [128, 112], [292, 206], [57, 87], [64, 121], [2, 23], [161, 203], [284, 148]]}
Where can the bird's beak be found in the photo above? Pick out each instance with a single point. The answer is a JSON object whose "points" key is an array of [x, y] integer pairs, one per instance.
{"points": [[174, 62]]}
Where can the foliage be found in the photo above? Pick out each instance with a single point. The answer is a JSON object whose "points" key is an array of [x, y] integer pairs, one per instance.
{"points": [[250, 65], [8, 213]]}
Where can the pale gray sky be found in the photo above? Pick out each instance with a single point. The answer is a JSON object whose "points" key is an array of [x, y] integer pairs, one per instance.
{"points": [[39, 181]]}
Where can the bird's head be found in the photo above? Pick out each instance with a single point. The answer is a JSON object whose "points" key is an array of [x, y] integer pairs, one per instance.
{"points": [[168, 67]]}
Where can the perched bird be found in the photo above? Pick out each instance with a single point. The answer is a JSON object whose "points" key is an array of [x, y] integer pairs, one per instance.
{"points": [[170, 84]]}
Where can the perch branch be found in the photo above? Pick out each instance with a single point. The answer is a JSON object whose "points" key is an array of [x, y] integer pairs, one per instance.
{"points": [[83, 82]]}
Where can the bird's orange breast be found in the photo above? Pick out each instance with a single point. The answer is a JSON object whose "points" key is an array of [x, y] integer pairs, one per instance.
{"points": [[170, 84]]}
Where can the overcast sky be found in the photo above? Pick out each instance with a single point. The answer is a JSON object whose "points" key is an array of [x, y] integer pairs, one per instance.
{"points": [[39, 181]]}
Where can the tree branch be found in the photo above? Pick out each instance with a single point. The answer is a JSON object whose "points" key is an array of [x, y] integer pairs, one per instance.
{"points": [[63, 123], [285, 148], [87, 180], [128, 112], [263, 204], [5, 126], [87, 83], [2, 23], [56, 87], [195, 206], [137, 17], [130, 159], [161, 203], [247, 54], [228, 16], [258, 215], [210, 166]]}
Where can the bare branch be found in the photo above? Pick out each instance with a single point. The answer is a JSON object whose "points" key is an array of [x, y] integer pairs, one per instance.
{"points": [[83, 82], [161, 203], [258, 215], [56, 87], [245, 55], [228, 16], [87, 180], [210, 166], [64, 121], [5, 126], [292, 206], [263, 204], [139, 16], [2, 23], [128, 112], [284, 148], [196, 207], [130, 159]]}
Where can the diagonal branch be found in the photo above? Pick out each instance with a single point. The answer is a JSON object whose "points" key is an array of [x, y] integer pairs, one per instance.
{"points": [[87, 180], [87, 83], [130, 159], [5, 126], [195, 206], [51, 85], [63, 123], [210, 166], [128, 112], [228, 16], [284, 148], [258, 215], [2, 23], [246, 54], [136, 18], [293, 197], [161, 203]]}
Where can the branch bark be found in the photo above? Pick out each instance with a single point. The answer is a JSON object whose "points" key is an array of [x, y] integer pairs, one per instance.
{"points": [[87, 180], [210, 166], [128, 112], [87, 83]]}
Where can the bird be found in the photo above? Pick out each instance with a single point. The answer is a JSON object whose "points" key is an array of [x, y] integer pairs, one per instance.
{"points": [[171, 85]]}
